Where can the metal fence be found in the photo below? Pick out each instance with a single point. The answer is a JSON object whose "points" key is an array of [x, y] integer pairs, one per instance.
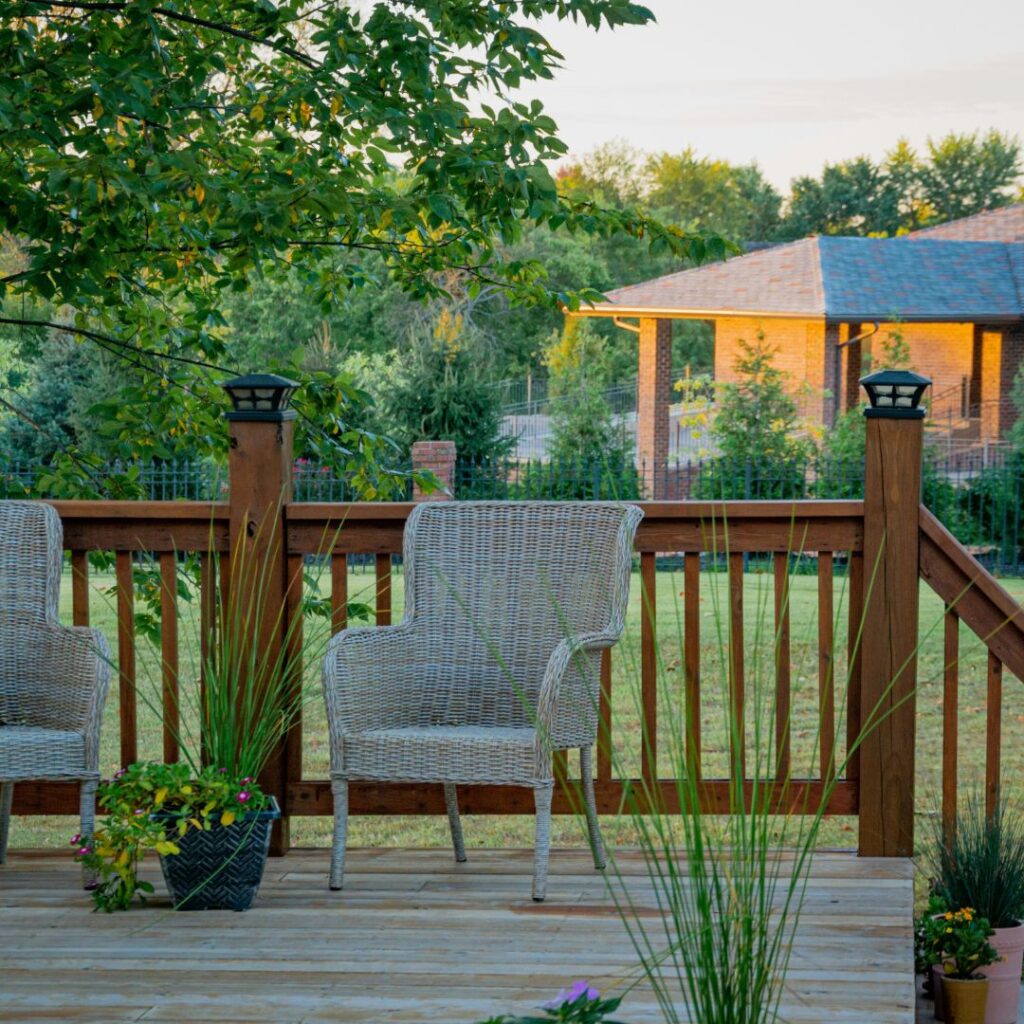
{"points": [[978, 495]]}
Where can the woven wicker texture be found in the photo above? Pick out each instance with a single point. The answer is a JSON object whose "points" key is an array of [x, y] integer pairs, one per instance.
{"points": [[220, 869], [496, 663], [53, 678]]}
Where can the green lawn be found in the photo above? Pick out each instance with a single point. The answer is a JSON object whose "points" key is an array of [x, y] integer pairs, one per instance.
{"points": [[499, 831]]}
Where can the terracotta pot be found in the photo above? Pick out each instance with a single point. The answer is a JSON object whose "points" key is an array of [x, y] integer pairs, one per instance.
{"points": [[1004, 976], [965, 1001]]}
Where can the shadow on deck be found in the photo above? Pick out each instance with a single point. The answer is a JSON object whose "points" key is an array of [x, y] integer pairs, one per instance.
{"points": [[413, 938]]}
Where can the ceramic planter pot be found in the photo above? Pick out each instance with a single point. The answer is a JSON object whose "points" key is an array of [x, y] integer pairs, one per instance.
{"points": [[220, 869], [1004, 976], [964, 1002]]}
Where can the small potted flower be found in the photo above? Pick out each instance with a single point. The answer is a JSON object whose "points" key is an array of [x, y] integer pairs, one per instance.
{"points": [[958, 942], [982, 866], [210, 831], [205, 816]]}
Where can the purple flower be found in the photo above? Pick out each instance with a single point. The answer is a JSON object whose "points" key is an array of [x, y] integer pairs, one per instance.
{"points": [[76, 839], [573, 993], [84, 850], [243, 796], [223, 771], [138, 812], [248, 778], [90, 886], [118, 773]]}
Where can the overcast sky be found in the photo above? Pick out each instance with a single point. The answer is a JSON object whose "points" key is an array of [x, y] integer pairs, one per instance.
{"points": [[792, 83]]}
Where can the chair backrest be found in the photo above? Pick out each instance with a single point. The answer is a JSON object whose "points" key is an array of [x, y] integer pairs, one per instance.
{"points": [[31, 550], [504, 582]]}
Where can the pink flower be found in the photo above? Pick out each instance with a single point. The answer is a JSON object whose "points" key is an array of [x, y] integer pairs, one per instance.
{"points": [[118, 773], [248, 778], [577, 990], [75, 839], [138, 812], [243, 796], [84, 850]]}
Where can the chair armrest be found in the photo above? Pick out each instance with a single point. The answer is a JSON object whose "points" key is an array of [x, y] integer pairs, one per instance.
{"points": [[369, 677], [567, 703], [68, 669]]}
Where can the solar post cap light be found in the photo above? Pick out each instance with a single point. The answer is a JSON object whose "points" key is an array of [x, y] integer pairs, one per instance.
{"points": [[260, 396], [895, 394]]}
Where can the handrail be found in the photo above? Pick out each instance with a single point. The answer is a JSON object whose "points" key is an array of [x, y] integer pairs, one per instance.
{"points": [[972, 592]]}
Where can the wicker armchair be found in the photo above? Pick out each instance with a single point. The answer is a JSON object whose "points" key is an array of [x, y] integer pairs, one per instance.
{"points": [[495, 664], [53, 678]]}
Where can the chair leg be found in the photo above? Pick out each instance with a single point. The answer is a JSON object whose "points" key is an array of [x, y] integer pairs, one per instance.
{"points": [[339, 789], [6, 800], [542, 844], [590, 801], [87, 809], [451, 802]]}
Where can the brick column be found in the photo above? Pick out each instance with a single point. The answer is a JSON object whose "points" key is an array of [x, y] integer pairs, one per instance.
{"points": [[654, 389], [1012, 357], [439, 458]]}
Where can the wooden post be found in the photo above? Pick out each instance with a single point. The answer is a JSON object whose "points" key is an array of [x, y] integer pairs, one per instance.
{"points": [[888, 662], [260, 467]]}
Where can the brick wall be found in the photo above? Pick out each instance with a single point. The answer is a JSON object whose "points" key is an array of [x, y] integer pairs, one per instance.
{"points": [[654, 382], [439, 458], [800, 346]]}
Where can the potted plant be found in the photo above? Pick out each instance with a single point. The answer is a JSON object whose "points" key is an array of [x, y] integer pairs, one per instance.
{"points": [[206, 816], [211, 832], [982, 866], [958, 943]]}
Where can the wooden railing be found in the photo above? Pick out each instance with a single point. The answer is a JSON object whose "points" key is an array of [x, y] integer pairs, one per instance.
{"points": [[163, 531], [841, 536], [973, 597]]}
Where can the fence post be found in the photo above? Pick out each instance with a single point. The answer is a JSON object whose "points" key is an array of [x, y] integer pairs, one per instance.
{"points": [[889, 634], [439, 458], [260, 467]]}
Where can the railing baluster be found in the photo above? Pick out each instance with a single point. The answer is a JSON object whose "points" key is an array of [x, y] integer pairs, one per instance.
{"points": [[648, 668], [691, 659], [383, 571], [80, 588], [782, 665], [950, 720], [826, 661], [339, 593], [855, 596], [737, 710], [604, 733], [169, 653], [295, 636], [207, 625], [993, 733], [126, 658]]}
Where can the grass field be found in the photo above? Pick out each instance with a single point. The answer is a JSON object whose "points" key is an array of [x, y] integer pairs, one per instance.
{"points": [[759, 632]]}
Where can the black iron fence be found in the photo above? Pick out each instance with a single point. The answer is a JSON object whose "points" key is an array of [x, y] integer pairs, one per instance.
{"points": [[977, 495]]}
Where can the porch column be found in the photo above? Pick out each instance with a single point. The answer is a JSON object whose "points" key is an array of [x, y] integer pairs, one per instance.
{"points": [[437, 457], [1000, 357], [654, 388], [260, 464], [889, 631]]}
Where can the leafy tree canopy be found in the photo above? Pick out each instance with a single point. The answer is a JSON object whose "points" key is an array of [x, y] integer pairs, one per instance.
{"points": [[156, 154]]}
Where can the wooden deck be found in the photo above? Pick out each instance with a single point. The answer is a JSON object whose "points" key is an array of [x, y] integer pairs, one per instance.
{"points": [[413, 938]]}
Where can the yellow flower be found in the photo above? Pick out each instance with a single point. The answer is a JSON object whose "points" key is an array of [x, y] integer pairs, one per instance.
{"points": [[186, 790], [160, 795], [227, 818]]}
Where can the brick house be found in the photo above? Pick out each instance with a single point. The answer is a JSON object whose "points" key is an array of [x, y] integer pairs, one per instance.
{"points": [[954, 292]]}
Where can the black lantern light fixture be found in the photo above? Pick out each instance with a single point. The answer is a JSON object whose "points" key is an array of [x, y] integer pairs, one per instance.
{"points": [[260, 396], [895, 394]]}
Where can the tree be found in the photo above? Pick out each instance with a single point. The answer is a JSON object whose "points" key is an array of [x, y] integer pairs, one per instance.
{"points": [[713, 195], [756, 431], [157, 154], [966, 175], [445, 394], [960, 175]]}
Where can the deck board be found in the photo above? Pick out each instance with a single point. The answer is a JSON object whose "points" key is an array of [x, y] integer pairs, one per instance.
{"points": [[413, 938]]}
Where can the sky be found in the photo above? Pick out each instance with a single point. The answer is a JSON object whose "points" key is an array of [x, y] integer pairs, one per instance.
{"points": [[791, 84]]}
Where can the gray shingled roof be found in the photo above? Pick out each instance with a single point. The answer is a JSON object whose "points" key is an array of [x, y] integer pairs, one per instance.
{"points": [[918, 277]]}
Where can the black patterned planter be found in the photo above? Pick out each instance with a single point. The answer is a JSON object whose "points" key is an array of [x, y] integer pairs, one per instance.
{"points": [[220, 869]]}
